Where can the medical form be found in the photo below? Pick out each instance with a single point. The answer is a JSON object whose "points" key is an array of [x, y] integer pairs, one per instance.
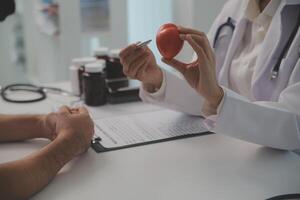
{"points": [[149, 127]]}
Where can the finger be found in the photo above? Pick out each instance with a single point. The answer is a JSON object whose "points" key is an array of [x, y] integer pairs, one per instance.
{"points": [[210, 47], [197, 48], [144, 49], [127, 49], [83, 110], [137, 65], [202, 58], [141, 56], [65, 109], [134, 56], [183, 30], [124, 52], [148, 50], [179, 66], [141, 70], [128, 68], [205, 45], [140, 67], [74, 110]]}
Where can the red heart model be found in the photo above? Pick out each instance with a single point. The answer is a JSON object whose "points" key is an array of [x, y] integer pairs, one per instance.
{"points": [[168, 41]]}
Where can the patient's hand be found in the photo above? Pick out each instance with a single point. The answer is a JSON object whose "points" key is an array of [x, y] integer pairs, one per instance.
{"points": [[71, 131], [73, 126]]}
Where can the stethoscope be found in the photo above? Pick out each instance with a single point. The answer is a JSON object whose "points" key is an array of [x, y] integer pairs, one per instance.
{"points": [[275, 71], [40, 92]]}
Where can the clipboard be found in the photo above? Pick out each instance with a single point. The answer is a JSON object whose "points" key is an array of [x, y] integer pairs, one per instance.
{"points": [[96, 145], [168, 125]]}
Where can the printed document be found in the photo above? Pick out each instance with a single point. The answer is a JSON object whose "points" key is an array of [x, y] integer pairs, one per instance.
{"points": [[146, 127]]}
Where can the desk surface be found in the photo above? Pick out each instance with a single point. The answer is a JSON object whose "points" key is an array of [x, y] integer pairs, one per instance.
{"points": [[206, 167]]}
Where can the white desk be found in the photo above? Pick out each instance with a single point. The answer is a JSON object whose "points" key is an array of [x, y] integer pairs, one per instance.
{"points": [[207, 167]]}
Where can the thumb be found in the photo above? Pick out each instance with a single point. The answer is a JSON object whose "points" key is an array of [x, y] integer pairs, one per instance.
{"points": [[179, 66], [65, 109], [83, 110]]}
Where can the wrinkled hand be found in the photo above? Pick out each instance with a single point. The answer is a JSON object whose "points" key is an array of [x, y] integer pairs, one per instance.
{"points": [[200, 74], [140, 64], [74, 126]]}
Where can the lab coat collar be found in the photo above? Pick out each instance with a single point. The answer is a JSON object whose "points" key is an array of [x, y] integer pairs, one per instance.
{"points": [[252, 9], [253, 13], [272, 7]]}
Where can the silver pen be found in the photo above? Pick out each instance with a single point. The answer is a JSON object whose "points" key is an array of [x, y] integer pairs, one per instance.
{"points": [[143, 44]]}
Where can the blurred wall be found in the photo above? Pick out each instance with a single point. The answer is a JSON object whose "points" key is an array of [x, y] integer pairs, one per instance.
{"points": [[205, 12], [10, 72], [198, 14], [48, 58], [144, 19], [42, 51]]}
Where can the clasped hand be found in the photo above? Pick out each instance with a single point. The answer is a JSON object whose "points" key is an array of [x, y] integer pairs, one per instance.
{"points": [[73, 126]]}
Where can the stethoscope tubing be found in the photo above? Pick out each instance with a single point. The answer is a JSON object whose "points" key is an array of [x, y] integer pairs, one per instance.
{"points": [[228, 23], [38, 90]]}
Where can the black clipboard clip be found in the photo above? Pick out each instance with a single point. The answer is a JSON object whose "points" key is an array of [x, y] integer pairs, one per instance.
{"points": [[95, 144]]}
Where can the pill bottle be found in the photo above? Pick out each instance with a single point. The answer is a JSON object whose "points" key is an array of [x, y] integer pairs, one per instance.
{"points": [[76, 71], [94, 84], [102, 53], [114, 67]]}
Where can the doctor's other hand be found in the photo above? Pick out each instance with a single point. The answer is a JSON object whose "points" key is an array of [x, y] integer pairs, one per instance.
{"points": [[200, 74], [139, 63], [74, 127]]}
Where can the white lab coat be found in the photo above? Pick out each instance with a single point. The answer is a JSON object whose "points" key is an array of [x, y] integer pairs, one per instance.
{"points": [[273, 118]]}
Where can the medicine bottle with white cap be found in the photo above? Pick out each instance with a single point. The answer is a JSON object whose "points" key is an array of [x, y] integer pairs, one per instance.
{"points": [[114, 67], [76, 71], [102, 53], [94, 84]]}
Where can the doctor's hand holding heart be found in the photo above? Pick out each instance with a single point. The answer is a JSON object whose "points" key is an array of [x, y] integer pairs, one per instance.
{"points": [[200, 74]]}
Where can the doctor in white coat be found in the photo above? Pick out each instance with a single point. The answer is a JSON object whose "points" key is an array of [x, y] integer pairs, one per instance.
{"points": [[245, 79]]}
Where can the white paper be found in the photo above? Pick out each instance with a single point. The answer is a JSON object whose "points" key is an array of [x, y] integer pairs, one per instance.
{"points": [[145, 127]]}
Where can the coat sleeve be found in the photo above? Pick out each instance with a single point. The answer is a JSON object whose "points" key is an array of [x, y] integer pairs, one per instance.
{"points": [[271, 124], [175, 94]]}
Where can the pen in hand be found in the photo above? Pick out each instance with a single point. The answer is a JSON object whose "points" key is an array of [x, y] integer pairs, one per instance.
{"points": [[143, 44]]}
